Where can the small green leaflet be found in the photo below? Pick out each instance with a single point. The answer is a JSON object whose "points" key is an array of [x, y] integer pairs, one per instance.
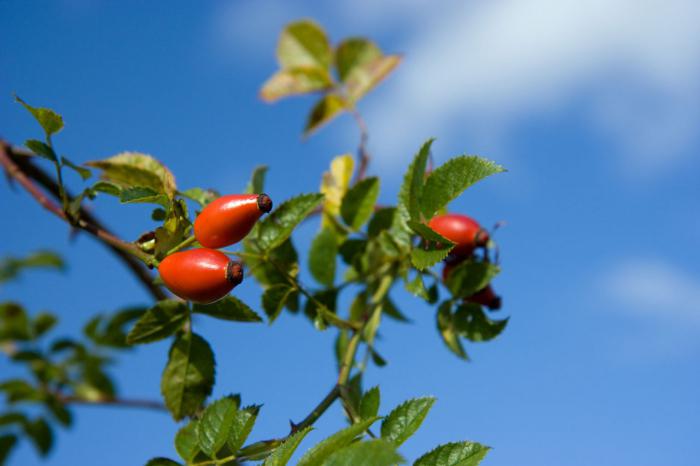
{"points": [[295, 81], [188, 377], [450, 179], [446, 327], [214, 426], [322, 256], [278, 226], [472, 323], [41, 149], [49, 120], [11, 267], [358, 203], [369, 404], [228, 308], [160, 321], [317, 455], [274, 299], [405, 419], [283, 453], [376, 452], [454, 454], [84, 173], [256, 185], [186, 442], [133, 169], [328, 107]]}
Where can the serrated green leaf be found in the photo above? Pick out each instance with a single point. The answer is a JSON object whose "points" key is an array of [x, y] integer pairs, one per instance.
{"points": [[303, 44], [214, 426], [41, 435], [381, 221], [324, 110], [274, 298], [409, 195], [445, 326], [140, 194], [322, 254], [369, 404], [41, 149], [84, 173], [376, 452], [469, 277], [405, 419], [186, 441], [321, 451], [256, 185], [283, 453], [427, 256], [295, 81], [241, 426], [160, 461], [49, 120], [278, 226], [454, 454], [160, 321], [174, 229], [416, 287], [133, 169], [450, 179], [7, 443], [366, 76], [472, 323], [228, 308], [358, 202], [189, 375], [266, 271]]}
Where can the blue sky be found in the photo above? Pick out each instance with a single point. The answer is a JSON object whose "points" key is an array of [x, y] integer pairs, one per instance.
{"points": [[594, 109]]}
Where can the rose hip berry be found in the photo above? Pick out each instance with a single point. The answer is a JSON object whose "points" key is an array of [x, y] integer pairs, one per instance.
{"points": [[464, 231], [486, 297], [200, 275], [228, 219]]}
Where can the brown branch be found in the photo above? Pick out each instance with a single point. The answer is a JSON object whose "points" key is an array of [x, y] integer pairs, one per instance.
{"points": [[120, 402], [20, 168], [362, 149]]}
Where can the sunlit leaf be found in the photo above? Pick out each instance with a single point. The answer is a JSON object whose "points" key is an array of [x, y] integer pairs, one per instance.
{"points": [[454, 454], [328, 107], [49, 120], [303, 44], [133, 169], [295, 81]]}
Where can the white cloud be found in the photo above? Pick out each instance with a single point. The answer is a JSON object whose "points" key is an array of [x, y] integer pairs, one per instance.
{"points": [[479, 69], [488, 66], [655, 291]]}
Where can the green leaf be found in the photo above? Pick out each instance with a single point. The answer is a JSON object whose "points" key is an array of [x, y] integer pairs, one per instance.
{"points": [[214, 426], [369, 404], [321, 451], [389, 309], [266, 271], [454, 454], [283, 453], [334, 184], [278, 226], [424, 257], [7, 443], [229, 308], [14, 322], [241, 426], [84, 173], [186, 441], [189, 375], [160, 321], [274, 298], [201, 196], [322, 254], [42, 323], [107, 188], [19, 390], [295, 81], [49, 120], [450, 179], [174, 229], [376, 452], [358, 202], [59, 411], [326, 108], [471, 322], [41, 149], [352, 53], [381, 220], [367, 75], [41, 435], [160, 461], [10, 267], [405, 419], [469, 277], [133, 169], [303, 44], [447, 330], [139, 194], [416, 287], [256, 185]]}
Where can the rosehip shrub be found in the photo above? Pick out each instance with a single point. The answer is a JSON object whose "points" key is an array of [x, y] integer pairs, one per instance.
{"points": [[360, 251]]}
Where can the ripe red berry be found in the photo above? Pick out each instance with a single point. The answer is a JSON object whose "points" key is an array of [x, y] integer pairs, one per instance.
{"points": [[228, 219], [200, 275], [462, 230], [486, 297]]}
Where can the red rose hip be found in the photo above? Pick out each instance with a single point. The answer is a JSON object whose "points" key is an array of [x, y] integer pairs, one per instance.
{"points": [[200, 275], [228, 219], [486, 297], [464, 231]]}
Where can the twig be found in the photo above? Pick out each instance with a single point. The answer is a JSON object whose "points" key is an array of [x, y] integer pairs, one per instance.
{"points": [[362, 149], [123, 402], [21, 168]]}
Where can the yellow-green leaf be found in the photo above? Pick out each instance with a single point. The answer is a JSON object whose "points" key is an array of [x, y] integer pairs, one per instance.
{"points": [[294, 81], [132, 169], [303, 43], [329, 107]]}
